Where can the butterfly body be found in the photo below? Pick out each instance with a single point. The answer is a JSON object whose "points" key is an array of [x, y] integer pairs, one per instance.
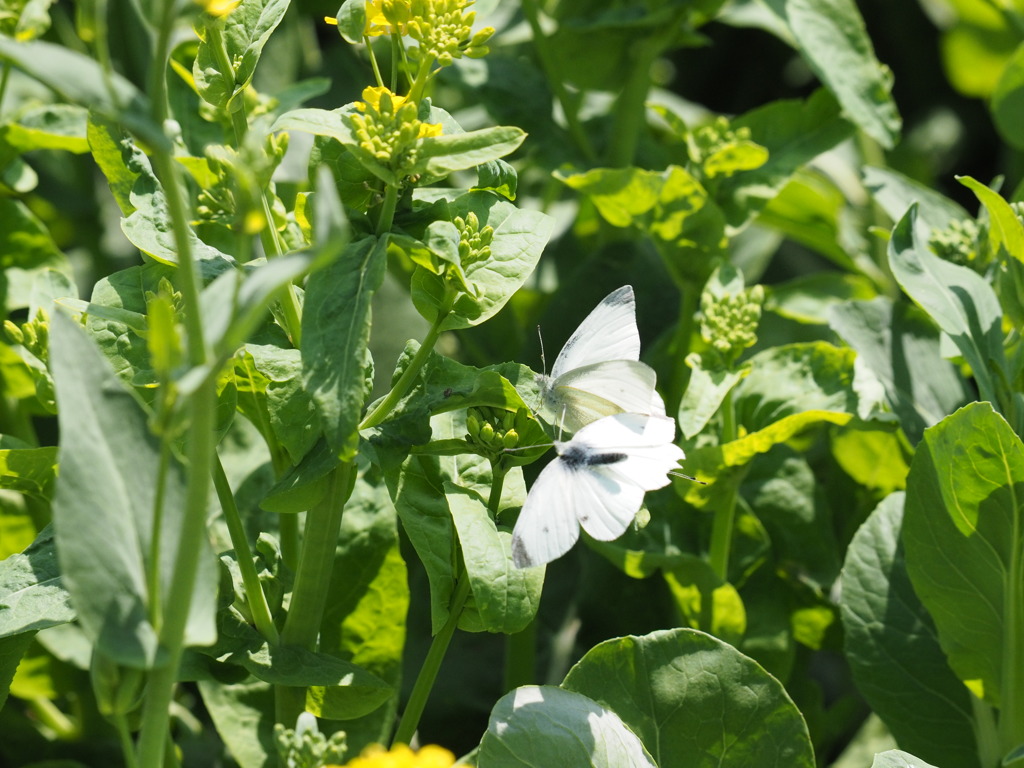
{"points": [[597, 481]]}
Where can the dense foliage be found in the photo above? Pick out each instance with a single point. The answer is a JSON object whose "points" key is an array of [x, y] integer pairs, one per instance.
{"points": [[271, 395]]}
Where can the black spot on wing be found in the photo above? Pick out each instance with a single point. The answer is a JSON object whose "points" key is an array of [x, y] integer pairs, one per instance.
{"points": [[577, 456]]}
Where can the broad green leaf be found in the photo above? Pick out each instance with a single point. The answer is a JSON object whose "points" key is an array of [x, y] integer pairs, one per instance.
{"points": [[808, 299], [896, 193], [12, 650], [243, 714], [53, 126], [794, 133], [1007, 104], [704, 395], [901, 348], [335, 331], [894, 758], [368, 598], [535, 725], [963, 546], [695, 701], [519, 239], [25, 242], [148, 227], [831, 37], [1004, 228], [794, 378], [959, 300], [287, 407], [875, 458], [705, 601], [32, 596], [28, 470], [117, 157], [438, 156], [498, 176], [234, 42], [784, 494], [78, 79], [104, 506], [893, 648], [506, 598]]}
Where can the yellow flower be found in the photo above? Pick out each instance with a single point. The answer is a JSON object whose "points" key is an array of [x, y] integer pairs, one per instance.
{"points": [[400, 756], [219, 7]]}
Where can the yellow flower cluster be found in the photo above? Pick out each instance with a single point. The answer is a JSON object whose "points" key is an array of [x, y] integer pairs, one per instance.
{"points": [[388, 127], [401, 756], [218, 7]]}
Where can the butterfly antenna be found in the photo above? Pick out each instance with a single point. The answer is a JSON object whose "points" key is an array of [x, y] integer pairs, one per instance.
{"points": [[686, 477]]}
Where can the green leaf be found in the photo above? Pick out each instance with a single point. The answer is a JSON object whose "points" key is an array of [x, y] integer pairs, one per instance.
{"points": [[438, 156], [706, 601], [896, 193], [368, 599], [875, 458], [902, 349], [830, 35], [1004, 228], [704, 395], [25, 242], [695, 701], [794, 133], [519, 239], [1007, 103], [243, 714], [498, 176], [53, 126], [12, 649], [78, 79], [148, 227], [808, 299], [335, 331], [961, 533], [117, 157], [28, 470], [894, 758], [893, 648], [32, 596], [959, 300], [235, 40], [535, 725], [105, 502], [506, 598]]}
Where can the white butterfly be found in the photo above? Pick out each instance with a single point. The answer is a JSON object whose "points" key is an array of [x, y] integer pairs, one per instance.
{"points": [[598, 481], [598, 372]]}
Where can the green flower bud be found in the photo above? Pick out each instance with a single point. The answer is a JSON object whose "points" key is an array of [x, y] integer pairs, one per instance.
{"points": [[961, 243], [14, 332], [473, 425], [486, 432], [510, 439]]}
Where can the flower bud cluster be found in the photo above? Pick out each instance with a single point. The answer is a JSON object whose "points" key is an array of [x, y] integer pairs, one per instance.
{"points": [[33, 335], [474, 242], [493, 430], [306, 747], [959, 243], [444, 31], [721, 150], [387, 127], [729, 322]]}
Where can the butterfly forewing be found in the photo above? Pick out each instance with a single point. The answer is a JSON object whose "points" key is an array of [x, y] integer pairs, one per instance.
{"points": [[609, 332]]}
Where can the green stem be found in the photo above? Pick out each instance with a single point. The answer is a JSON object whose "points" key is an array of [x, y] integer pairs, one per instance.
{"points": [[373, 63], [432, 664], [47, 713], [160, 689], [405, 381], [386, 216], [556, 82], [397, 59], [679, 348], [1011, 715], [316, 562], [5, 76], [419, 85], [155, 544], [725, 515], [254, 593], [124, 735], [521, 656], [288, 530]]}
